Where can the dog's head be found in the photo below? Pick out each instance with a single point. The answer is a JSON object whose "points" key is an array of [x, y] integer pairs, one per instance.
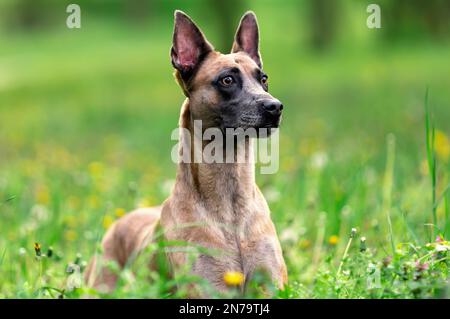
{"points": [[225, 90]]}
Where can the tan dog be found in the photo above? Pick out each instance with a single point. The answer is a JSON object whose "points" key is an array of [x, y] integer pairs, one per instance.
{"points": [[220, 201]]}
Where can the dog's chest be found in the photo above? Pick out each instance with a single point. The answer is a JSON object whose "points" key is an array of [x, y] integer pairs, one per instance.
{"points": [[248, 242]]}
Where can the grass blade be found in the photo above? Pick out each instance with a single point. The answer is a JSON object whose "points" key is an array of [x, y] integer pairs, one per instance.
{"points": [[431, 157], [447, 216], [344, 257], [3, 256], [388, 185]]}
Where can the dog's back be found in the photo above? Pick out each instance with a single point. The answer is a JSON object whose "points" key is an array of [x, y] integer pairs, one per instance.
{"points": [[121, 244]]}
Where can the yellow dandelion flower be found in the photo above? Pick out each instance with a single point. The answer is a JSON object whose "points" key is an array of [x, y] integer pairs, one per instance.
{"points": [[333, 240], [305, 243], [42, 196], [289, 163], [145, 202], [399, 248], [95, 169], [70, 235], [73, 202], [233, 278], [70, 221], [119, 212], [442, 146], [93, 201], [12, 235], [107, 221]]}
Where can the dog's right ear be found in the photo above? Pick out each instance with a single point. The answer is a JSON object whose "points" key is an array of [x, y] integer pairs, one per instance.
{"points": [[189, 45], [247, 37]]}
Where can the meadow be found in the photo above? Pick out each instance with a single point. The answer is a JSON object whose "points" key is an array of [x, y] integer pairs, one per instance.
{"points": [[360, 202]]}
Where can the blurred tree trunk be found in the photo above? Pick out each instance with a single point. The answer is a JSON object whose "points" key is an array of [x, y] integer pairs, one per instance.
{"points": [[436, 16], [226, 13], [139, 11], [29, 15], [323, 22], [410, 17]]}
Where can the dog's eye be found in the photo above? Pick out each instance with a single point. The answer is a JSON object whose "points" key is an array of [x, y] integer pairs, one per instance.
{"points": [[227, 81], [264, 79]]}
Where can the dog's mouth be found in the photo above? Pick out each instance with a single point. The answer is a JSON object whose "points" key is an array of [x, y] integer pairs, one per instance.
{"points": [[263, 121], [272, 121]]}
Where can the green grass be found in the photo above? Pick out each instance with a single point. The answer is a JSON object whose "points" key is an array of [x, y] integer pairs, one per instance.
{"points": [[85, 123]]}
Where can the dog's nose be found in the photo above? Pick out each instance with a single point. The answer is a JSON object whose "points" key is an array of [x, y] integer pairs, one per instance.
{"points": [[274, 107]]}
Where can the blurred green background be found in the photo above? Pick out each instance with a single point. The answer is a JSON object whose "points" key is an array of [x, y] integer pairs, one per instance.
{"points": [[86, 116]]}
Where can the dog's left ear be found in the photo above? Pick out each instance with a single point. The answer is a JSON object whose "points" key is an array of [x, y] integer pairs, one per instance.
{"points": [[247, 37]]}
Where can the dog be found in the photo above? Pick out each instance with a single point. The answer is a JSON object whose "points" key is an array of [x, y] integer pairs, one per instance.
{"points": [[221, 201]]}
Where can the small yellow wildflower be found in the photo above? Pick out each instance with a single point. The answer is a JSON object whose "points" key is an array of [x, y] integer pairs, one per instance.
{"points": [[120, 212], [95, 169], [233, 278], [305, 243], [145, 202], [94, 202], [70, 221], [442, 146], [288, 163], [70, 235], [107, 221], [333, 240], [12, 235], [42, 196], [73, 202]]}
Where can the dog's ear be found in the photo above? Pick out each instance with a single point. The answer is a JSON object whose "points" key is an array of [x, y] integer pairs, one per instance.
{"points": [[247, 37], [189, 45]]}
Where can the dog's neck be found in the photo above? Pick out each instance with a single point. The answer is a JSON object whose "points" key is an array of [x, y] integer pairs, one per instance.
{"points": [[216, 184]]}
